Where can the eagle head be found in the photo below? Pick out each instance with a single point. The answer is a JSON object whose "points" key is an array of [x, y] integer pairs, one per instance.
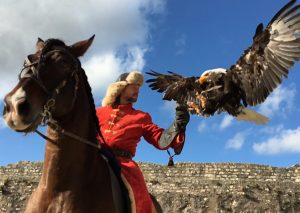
{"points": [[210, 73]]}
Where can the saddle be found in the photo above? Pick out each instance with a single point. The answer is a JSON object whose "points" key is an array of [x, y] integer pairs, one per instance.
{"points": [[115, 170]]}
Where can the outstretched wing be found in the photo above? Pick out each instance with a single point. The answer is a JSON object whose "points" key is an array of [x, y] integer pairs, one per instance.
{"points": [[174, 86], [274, 51]]}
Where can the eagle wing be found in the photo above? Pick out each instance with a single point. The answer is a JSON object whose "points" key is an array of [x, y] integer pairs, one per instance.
{"points": [[274, 51], [175, 87]]}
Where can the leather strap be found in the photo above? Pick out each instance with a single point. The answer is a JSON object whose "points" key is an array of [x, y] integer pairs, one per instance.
{"points": [[122, 153]]}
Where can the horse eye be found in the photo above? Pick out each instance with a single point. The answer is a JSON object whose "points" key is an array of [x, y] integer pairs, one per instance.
{"points": [[64, 61]]}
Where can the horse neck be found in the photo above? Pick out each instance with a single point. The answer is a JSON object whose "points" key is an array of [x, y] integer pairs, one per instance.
{"points": [[67, 158]]}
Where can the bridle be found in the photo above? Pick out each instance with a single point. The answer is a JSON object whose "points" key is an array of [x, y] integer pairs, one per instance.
{"points": [[32, 70]]}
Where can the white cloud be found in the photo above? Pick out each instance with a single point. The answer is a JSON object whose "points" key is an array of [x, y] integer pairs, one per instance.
{"points": [[105, 68], [286, 141], [202, 126], [272, 130], [169, 107], [180, 44], [102, 70], [226, 122], [236, 142], [280, 101], [2, 123], [121, 27]]}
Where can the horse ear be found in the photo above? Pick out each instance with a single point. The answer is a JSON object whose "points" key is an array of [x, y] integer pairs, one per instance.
{"points": [[79, 48], [40, 44]]}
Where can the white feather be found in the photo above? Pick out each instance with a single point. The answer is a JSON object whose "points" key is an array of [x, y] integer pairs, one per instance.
{"points": [[217, 70]]}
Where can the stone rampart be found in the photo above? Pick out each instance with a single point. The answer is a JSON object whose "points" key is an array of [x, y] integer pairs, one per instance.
{"points": [[186, 187]]}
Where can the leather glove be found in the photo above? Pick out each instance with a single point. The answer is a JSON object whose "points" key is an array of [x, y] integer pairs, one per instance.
{"points": [[182, 117]]}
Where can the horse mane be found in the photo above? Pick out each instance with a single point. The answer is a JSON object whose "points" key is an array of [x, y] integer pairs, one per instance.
{"points": [[91, 101]]}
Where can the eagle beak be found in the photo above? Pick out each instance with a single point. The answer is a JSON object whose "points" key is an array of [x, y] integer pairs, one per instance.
{"points": [[202, 79]]}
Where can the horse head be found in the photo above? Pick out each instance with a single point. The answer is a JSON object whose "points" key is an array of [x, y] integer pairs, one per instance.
{"points": [[48, 84]]}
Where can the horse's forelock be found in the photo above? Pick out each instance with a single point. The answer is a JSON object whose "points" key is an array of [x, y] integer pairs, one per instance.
{"points": [[50, 43]]}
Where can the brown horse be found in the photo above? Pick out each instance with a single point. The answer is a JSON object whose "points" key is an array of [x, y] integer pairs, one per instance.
{"points": [[53, 90]]}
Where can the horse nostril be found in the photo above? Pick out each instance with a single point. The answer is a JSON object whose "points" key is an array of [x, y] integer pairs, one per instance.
{"points": [[23, 108]]}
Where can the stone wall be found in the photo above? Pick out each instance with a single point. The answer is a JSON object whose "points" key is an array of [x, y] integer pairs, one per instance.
{"points": [[186, 187]]}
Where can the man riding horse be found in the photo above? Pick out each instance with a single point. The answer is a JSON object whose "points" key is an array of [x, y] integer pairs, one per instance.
{"points": [[123, 126]]}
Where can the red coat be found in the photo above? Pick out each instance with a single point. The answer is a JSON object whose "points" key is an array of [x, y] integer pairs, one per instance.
{"points": [[122, 129]]}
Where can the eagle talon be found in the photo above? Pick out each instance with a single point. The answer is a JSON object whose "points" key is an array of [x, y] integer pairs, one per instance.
{"points": [[194, 108]]}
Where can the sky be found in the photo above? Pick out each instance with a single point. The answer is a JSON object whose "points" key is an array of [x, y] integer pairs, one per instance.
{"points": [[186, 37]]}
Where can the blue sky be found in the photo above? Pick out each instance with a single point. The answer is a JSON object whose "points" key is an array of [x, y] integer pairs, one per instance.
{"points": [[187, 37]]}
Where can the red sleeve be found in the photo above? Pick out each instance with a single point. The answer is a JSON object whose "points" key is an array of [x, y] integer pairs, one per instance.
{"points": [[152, 133], [99, 111]]}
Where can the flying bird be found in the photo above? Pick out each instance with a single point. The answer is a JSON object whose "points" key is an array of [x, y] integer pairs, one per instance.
{"points": [[259, 70]]}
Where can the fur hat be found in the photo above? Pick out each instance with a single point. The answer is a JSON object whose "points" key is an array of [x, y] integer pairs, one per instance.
{"points": [[115, 89]]}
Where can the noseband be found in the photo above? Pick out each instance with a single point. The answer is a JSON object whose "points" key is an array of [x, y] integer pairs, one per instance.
{"points": [[32, 70]]}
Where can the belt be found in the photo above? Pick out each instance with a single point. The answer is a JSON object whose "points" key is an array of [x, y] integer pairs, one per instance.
{"points": [[122, 153]]}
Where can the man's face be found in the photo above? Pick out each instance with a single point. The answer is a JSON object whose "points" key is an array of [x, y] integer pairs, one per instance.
{"points": [[130, 94]]}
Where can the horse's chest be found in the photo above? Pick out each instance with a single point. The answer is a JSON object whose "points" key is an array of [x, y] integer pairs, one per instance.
{"points": [[63, 202]]}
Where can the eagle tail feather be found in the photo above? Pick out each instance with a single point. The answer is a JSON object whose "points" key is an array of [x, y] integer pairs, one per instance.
{"points": [[252, 116]]}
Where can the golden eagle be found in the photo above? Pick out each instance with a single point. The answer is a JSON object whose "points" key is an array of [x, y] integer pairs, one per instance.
{"points": [[255, 75]]}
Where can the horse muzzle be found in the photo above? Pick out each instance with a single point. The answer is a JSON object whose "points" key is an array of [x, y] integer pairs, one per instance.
{"points": [[18, 113]]}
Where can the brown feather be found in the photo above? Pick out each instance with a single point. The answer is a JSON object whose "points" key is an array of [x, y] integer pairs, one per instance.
{"points": [[254, 76]]}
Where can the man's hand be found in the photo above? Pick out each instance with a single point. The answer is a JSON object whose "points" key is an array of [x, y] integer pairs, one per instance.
{"points": [[182, 117]]}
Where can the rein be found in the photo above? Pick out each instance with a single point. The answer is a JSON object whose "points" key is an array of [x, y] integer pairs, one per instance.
{"points": [[46, 115], [69, 134]]}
